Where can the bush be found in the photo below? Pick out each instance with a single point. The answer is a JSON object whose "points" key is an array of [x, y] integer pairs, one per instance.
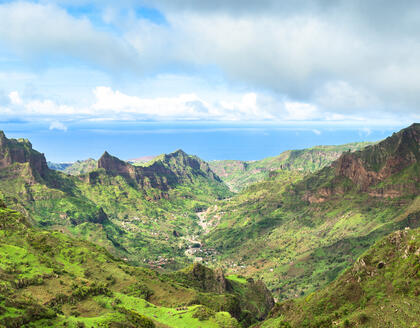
{"points": [[139, 320], [362, 318], [401, 286], [203, 313], [140, 290], [346, 323]]}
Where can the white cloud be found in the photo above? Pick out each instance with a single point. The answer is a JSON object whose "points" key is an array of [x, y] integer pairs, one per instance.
{"points": [[110, 104], [37, 31], [15, 98], [310, 60], [114, 104], [317, 132], [301, 111], [56, 125]]}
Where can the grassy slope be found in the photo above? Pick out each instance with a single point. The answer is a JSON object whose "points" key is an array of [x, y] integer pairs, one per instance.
{"points": [[380, 290], [149, 223], [271, 231], [240, 174], [49, 279], [140, 222], [76, 168]]}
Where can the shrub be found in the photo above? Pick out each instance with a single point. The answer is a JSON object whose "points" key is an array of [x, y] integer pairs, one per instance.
{"points": [[203, 313], [140, 290], [362, 318]]}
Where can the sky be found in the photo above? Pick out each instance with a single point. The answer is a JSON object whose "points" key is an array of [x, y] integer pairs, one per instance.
{"points": [[222, 78]]}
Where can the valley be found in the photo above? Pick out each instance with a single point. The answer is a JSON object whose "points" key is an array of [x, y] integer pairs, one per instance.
{"points": [[174, 241]]}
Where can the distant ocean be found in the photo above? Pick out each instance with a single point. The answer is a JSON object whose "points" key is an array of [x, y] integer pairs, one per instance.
{"points": [[210, 141]]}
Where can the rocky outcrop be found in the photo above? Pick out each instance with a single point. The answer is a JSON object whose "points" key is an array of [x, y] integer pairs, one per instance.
{"points": [[164, 173], [209, 280], [371, 170], [20, 151], [378, 162], [259, 292], [115, 166]]}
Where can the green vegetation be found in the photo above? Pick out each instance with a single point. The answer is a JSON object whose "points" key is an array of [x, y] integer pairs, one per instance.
{"points": [[144, 217], [49, 279], [380, 290], [81, 167], [297, 232], [73, 248], [76, 168], [240, 174]]}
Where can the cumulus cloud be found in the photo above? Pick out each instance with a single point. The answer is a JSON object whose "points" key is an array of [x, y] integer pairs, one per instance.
{"points": [[111, 104], [43, 32], [332, 61], [318, 60], [15, 98], [56, 125]]}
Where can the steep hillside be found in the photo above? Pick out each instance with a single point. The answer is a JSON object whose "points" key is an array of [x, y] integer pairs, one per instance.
{"points": [[76, 168], [299, 232], [49, 279], [380, 290], [144, 214], [163, 173], [58, 166], [240, 174], [18, 155]]}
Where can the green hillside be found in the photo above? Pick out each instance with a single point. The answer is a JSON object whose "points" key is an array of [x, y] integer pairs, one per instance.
{"points": [[380, 290], [49, 279], [76, 168], [240, 174], [114, 246], [144, 214], [81, 167], [299, 232]]}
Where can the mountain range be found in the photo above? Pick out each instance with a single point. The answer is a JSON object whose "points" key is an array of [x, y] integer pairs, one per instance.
{"points": [[114, 241]]}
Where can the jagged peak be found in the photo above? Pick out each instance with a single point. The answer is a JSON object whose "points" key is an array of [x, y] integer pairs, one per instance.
{"points": [[106, 154], [107, 157], [179, 152], [21, 151], [377, 162]]}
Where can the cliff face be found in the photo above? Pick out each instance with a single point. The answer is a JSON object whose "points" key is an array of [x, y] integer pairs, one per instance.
{"points": [[164, 173], [387, 169], [115, 166], [380, 161], [20, 151], [252, 296]]}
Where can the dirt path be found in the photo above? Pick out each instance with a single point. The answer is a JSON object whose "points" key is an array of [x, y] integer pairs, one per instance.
{"points": [[194, 240]]}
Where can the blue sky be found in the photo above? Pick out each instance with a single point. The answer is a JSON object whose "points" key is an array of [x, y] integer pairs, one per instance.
{"points": [[76, 72]]}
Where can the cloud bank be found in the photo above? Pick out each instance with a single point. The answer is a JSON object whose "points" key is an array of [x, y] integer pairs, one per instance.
{"points": [[290, 60]]}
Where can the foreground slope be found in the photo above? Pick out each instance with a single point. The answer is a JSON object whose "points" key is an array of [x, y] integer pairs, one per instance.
{"points": [[381, 289], [299, 232], [49, 279], [240, 174], [144, 214]]}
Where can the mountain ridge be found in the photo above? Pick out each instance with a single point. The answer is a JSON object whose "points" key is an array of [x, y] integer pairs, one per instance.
{"points": [[287, 228], [240, 174]]}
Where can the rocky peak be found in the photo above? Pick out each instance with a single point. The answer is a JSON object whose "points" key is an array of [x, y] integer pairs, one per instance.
{"points": [[115, 166], [379, 161], [186, 166], [20, 151], [163, 173]]}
